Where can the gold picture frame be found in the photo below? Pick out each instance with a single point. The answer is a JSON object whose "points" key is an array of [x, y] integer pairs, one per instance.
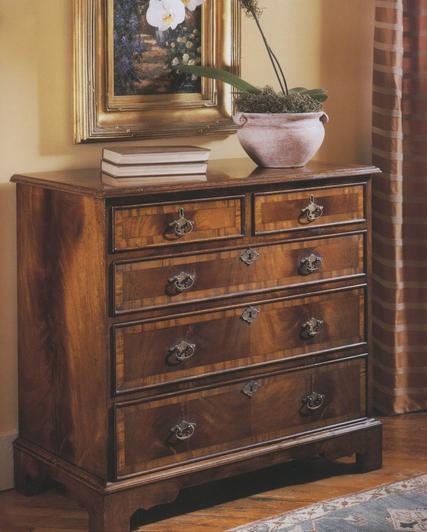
{"points": [[101, 115]]}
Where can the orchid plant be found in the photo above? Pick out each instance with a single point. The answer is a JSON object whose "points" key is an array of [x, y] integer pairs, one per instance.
{"points": [[165, 14]]}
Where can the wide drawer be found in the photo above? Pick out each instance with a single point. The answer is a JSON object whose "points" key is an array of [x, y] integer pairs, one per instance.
{"points": [[170, 281], [277, 212], [159, 433], [143, 226], [151, 353]]}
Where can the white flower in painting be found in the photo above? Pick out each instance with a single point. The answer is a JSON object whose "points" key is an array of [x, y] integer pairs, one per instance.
{"points": [[165, 14], [192, 4], [175, 61], [185, 58], [191, 62]]}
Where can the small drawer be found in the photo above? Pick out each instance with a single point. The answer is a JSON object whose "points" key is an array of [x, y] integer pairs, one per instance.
{"points": [[153, 353], [287, 211], [144, 226], [143, 284], [161, 433]]}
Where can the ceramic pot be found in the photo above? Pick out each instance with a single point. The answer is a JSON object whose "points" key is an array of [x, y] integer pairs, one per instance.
{"points": [[281, 140]]}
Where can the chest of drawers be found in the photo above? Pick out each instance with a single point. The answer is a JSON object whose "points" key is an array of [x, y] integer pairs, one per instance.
{"points": [[175, 334]]}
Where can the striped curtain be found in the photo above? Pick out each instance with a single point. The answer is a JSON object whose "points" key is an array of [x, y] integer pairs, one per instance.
{"points": [[400, 206]]}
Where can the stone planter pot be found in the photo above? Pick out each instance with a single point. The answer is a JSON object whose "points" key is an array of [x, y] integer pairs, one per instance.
{"points": [[281, 140]]}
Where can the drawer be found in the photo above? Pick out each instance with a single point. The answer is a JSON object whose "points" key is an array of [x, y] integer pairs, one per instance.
{"points": [[144, 226], [152, 353], [174, 430], [176, 280], [277, 212]]}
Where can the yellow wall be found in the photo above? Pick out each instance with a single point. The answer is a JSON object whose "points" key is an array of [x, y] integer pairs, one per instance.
{"points": [[322, 42]]}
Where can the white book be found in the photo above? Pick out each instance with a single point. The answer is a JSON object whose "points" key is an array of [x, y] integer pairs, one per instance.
{"points": [[150, 181], [152, 170], [155, 154]]}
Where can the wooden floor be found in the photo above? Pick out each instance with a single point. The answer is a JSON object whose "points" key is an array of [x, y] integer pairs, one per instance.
{"points": [[221, 505]]}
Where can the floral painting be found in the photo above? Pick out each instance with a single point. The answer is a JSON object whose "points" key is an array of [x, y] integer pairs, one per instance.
{"points": [[151, 39]]}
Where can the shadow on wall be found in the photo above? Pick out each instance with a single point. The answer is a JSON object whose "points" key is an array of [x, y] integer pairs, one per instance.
{"points": [[55, 77], [8, 361], [346, 72]]}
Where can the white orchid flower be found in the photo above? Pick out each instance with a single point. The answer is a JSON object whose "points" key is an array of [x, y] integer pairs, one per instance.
{"points": [[192, 4], [165, 14]]}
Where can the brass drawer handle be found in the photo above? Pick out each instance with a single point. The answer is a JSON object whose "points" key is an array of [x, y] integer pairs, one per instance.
{"points": [[314, 401], [249, 256], [183, 351], [310, 264], [181, 282], [313, 211], [311, 328], [251, 388], [181, 226], [250, 315], [184, 430]]}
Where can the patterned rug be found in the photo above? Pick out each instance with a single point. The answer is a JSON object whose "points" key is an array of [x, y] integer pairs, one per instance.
{"points": [[398, 506]]}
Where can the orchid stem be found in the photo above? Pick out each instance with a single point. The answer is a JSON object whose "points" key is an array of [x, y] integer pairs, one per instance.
{"points": [[274, 61], [281, 71]]}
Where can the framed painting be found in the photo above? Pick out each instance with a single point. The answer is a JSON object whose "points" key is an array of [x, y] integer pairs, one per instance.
{"points": [[127, 53]]}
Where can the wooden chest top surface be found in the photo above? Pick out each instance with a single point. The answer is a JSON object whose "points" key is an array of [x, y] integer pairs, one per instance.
{"points": [[227, 173]]}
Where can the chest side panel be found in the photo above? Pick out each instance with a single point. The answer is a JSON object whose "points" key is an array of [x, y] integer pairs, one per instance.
{"points": [[62, 329]]}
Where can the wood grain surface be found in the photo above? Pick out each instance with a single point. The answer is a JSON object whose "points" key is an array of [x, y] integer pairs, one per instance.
{"points": [[278, 212], [144, 354], [62, 334], [143, 284], [222, 174], [148, 226], [226, 418]]}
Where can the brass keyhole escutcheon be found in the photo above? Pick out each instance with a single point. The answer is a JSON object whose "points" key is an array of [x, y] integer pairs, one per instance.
{"points": [[251, 388], [250, 315], [250, 256]]}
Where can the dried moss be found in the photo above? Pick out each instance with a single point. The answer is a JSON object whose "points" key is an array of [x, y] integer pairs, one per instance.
{"points": [[269, 101]]}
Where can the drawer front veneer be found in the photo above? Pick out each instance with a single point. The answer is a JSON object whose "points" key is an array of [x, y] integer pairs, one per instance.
{"points": [[277, 212], [175, 280], [159, 433], [152, 353], [154, 225]]}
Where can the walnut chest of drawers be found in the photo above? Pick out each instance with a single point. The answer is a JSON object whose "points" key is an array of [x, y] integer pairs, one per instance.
{"points": [[175, 334]]}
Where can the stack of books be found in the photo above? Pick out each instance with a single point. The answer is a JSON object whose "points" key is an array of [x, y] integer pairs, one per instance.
{"points": [[139, 165]]}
